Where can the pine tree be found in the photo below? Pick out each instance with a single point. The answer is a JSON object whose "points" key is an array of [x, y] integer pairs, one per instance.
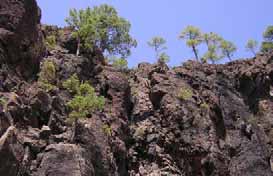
{"points": [[193, 37], [212, 41], [267, 45], [252, 46], [228, 49], [101, 27], [158, 44]]}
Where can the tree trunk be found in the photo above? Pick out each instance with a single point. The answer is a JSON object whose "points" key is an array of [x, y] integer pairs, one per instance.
{"points": [[156, 53], [78, 46], [254, 53], [229, 57], [195, 53], [212, 61]]}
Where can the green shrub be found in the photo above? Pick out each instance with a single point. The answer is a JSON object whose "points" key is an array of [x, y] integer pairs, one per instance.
{"points": [[61, 33], [119, 63], [72, 84], [163, 58], [3, 101], [185, 94], [107, 130], [46, 86], [50, 42], [47, 75], [267, 44], [85, 100], [86, 89], [204, 106], [81, 106], [267, 47]]}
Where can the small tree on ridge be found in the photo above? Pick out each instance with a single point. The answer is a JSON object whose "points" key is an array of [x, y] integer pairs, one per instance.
{"points": [[267, 45], [228, 49], [212, 41], [252, 46], [193, 37], [158, 44], [101, 27]]}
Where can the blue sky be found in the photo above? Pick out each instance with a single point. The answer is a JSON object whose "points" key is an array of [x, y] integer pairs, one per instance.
{"points": [[235, 20]]}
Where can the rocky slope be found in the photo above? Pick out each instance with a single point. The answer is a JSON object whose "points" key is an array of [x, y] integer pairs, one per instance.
{"points": [[192, 120]]}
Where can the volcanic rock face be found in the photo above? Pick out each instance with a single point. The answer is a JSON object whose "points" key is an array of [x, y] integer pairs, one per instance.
{"points": [[216, 131], [192, 120], [20, 34]]}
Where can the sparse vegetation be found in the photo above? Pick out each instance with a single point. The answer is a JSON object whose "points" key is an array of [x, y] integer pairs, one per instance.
{"points": [[47, 75], [204, 106], [61, 33], [72, 84], [268, 34], [82, 105], [101, 27], [267, 44], [211, 54], [185, 94], [50, 42], [267, 47], [228, 49], [158, 44], [107, 130], [163, 58], [212, 41], [85, 100], [193, 37], [3, 101], [119, 63], [252, 46], [211, 38], [217, 47]]}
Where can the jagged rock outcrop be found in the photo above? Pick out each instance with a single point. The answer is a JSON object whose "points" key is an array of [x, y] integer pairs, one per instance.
{"points": [[65, 159], [192, 120], [216, 131], [21, 42]]}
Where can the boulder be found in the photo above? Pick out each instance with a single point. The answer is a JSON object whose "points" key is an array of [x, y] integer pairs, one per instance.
{"points": [[65, 159]]}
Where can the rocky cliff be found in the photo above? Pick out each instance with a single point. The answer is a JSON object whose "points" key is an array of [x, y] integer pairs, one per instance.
{"points": [[192, 120]]}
